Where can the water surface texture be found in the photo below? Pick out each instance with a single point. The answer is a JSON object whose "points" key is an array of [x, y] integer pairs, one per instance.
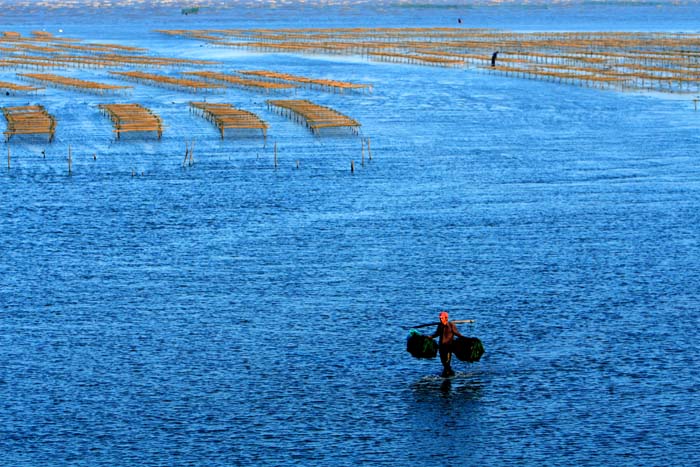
{"points": [[230, 313]]}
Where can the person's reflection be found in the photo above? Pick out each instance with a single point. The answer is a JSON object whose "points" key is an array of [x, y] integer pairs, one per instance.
{"points": [[446, 386]]}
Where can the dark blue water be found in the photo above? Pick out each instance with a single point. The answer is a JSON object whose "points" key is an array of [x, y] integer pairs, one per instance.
{"points": [[231, 313]]}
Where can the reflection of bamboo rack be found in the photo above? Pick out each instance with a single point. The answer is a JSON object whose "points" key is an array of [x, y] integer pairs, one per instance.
{"points": [[26, 120], [314, 116], [225, 116], [132, 117]]}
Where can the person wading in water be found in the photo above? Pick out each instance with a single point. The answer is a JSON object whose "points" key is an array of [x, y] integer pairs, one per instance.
{"points": [[446, 332]]}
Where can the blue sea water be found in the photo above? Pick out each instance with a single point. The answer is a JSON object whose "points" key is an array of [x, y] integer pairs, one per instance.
{"points": [[233, 313]]}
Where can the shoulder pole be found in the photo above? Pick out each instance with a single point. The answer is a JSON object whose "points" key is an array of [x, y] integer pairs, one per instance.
{"points": [[457, 321]]}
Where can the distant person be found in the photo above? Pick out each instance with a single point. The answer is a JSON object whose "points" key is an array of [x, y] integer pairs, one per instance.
{"points": [[493, 58], [446, 331]]}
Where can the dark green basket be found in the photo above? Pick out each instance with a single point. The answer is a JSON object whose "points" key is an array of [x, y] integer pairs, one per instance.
{"points": [[421, 346], [468, 349]]}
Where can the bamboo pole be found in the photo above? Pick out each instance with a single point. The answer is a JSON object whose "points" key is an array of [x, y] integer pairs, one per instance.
{"points": [[70, 160], [456, 321], [363, 152], [275, 154]]}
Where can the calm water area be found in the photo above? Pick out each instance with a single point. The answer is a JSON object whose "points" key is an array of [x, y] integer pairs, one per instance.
{"points": [[233, 313]]}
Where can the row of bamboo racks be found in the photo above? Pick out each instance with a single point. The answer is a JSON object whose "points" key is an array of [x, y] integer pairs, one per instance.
{"points": [[14, 87], [43, 50], [324, 84], [36, 61], [240, 82], [209, 81], [153, 79], [29, 119], [654, 61], [74, 83], [137, 118], [270, 81]]}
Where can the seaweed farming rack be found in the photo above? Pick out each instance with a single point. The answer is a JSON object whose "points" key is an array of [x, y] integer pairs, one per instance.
{"points": [[626, 61], [323, 84], [225, 116], [14, 87], [74, 84], [315, 117], [99, 61], [43, 50], [132, 118], [237, 81], [29, 120], [189, 85]]}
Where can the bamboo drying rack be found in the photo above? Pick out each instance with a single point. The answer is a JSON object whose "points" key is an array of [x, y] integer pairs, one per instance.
{"points": [[324, 84], [189, 85], [248, 84], [14, 87], [315, 117], [225, 116], [132, 118], [28, 120], [73, 83]]}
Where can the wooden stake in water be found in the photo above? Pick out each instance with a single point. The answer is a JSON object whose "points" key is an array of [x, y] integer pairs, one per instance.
{"points": [[363, 152], [8, 157], [187, 154], [70, 160], [369, 151], [275, 154], [352, 167]]}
